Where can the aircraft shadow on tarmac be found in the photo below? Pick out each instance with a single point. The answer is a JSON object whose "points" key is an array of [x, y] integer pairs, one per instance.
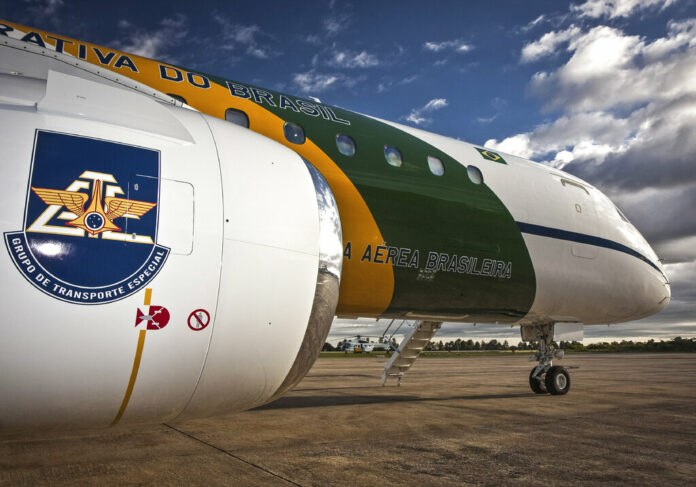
{"points": [[293, 402]]}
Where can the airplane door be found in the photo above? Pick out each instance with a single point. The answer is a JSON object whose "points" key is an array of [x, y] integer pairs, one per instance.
{"points": [[584, 217]]}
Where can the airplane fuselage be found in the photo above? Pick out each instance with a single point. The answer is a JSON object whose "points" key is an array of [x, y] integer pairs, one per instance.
{"points": [[228, 229]]}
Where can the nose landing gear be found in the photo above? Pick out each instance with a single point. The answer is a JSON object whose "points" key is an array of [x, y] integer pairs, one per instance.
{"points": [[546, 377]]}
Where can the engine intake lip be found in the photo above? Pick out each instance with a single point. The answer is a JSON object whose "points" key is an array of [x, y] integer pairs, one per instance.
{"points": [[328, 283]]}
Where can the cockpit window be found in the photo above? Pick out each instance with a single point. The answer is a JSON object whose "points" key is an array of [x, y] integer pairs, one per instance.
{"points": [[623, 217]]}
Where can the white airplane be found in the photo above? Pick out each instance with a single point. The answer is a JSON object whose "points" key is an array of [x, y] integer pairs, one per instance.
{"points": [[177, 244]]}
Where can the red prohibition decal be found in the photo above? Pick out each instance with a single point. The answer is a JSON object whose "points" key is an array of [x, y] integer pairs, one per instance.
{"points": [[198, 320]]}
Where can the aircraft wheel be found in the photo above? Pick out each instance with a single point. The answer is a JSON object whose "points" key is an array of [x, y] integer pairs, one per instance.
{"points": [[537, 384], [557, 380]]}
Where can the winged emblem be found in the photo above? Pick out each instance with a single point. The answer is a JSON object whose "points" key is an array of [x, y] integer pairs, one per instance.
{"points": [[96, 217]]}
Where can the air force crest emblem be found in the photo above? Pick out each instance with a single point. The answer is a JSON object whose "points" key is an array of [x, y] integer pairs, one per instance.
{"points": [[90, 222]]}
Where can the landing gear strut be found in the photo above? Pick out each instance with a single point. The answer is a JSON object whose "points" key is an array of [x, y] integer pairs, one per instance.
{"points": [[546, 377]]}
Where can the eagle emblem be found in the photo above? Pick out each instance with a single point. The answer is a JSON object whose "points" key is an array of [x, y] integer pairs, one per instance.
{"points": [[71, 245], [97, 217]]}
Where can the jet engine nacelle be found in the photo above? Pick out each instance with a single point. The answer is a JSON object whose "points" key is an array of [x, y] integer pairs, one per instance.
{"points": [[157, 263]]}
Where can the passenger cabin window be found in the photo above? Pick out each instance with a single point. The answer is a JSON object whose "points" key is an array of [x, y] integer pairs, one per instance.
{"points": [[294, 133], [474, 174], [237, 117], [436, 166], [178, 98], [392, 155], [345, 144]]}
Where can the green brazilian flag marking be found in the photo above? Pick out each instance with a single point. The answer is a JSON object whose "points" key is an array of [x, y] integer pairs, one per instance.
{"points": [[491, 156]]}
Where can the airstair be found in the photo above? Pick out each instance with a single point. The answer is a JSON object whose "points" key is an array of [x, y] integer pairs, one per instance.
{"points": [[417, 337]]}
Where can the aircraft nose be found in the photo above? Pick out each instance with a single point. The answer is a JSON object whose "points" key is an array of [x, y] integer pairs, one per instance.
{"points": [[659, 293], [667, 291]]}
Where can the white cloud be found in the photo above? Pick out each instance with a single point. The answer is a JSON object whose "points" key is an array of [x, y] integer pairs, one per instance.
{"points": [[45, 12], [434, 104], [548, 43], [609, 68], [627, 124], [417, 115], [534, 23], [335, 23], [44, 8], [456, 45], [349, 59], [617, 8], [416, 119], [519, 145], [153, 43], [588, 134], [487, 119], [311, 81], [243, 36]]}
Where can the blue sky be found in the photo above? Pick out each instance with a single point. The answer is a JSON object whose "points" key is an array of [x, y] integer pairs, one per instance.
{"points": [[605, 89]]}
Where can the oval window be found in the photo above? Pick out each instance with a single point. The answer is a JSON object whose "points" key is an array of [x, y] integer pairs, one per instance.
{"points": [[237, 117], [436, 166], [294, 133], [474, 174], [345, 144], [392, 155]]}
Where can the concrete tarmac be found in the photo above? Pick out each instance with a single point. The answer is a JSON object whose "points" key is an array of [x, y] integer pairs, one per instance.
{"points": [[628, 420]]}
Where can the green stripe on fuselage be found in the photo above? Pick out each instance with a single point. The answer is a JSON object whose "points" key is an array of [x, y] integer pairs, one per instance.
{"points": [[448, 215]]}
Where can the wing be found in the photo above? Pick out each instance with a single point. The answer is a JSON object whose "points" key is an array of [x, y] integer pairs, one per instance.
{"points": [[117, 207], [72, 200]]}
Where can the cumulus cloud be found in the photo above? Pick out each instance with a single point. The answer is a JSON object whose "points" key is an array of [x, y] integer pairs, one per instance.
{"points": [[617, 8], [548, 43], [153, 43], [622, 115], [456, 45], [418, 115], [622, 99]]}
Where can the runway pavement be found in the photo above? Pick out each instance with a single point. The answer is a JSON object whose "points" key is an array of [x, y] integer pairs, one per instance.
{"points": [[628, 420]]}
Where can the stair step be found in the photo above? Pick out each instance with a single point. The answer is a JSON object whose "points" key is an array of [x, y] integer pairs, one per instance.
{"points": [[410, 349]]}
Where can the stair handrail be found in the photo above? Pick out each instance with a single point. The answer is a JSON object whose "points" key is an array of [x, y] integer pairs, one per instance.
{"points": [[389, 340]]}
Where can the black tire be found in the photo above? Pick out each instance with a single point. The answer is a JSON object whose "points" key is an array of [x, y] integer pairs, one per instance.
{"points": [[536, 384], [557, 380]]}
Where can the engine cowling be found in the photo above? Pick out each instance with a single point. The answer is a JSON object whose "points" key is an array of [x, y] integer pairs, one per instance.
{"points": [[158, 263]]}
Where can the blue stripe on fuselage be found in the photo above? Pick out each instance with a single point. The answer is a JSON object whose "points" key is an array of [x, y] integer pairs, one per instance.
{"points": [[583, 238]]}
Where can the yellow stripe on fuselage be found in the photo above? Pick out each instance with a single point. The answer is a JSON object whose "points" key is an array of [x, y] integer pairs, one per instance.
{"points": [[366, 287]]}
